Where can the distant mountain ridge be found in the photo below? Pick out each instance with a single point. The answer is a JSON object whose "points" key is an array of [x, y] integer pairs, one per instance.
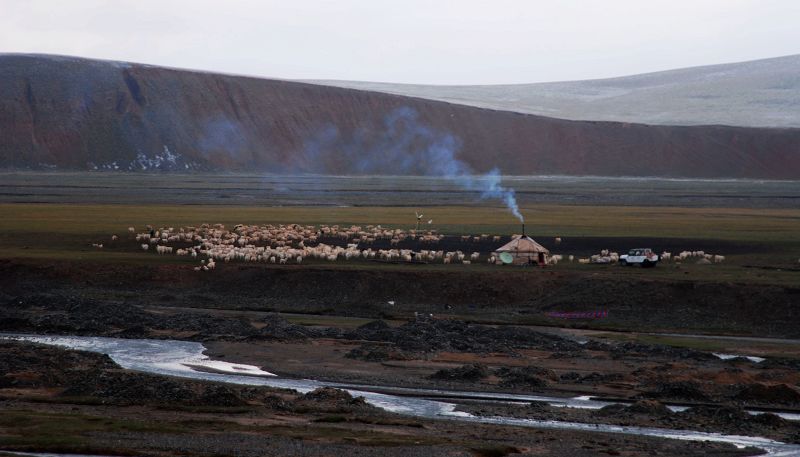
{"points": [[758, 93], [68, 113]]}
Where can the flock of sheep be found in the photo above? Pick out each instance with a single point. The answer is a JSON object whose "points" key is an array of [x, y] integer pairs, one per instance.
{"points": [[292, 243], [282, 244], [686, 256], [701, 257]]}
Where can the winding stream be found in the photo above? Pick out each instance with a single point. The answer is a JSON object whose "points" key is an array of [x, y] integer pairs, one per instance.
{"points": [[186, 359]]}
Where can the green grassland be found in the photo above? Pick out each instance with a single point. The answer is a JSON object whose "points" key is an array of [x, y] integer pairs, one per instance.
{"points": [[56, 214], [44, 224], [759, 225], [66, 231]]}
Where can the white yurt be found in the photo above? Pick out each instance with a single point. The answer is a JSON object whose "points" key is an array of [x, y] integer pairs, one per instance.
{"points": [[524, 250]]}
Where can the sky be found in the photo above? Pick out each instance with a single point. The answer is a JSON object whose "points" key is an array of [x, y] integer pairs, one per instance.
{"points": [[408, 41]]}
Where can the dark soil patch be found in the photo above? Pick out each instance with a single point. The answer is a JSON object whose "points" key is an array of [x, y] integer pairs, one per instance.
{"points": [[632, 302], [465, 373]]}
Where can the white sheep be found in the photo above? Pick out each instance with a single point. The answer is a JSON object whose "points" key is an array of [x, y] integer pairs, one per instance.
{"points": [[719, 258], [145, 247], [253, 243]]}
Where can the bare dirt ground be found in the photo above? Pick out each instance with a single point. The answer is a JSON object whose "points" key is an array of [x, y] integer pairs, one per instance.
{"points": [[525, 296]]}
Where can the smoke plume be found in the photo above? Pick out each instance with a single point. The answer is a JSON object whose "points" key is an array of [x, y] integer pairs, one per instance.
{"points": [[402, 145]]}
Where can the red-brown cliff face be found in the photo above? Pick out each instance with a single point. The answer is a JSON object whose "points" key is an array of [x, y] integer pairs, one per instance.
{"points": [[68, 113]]}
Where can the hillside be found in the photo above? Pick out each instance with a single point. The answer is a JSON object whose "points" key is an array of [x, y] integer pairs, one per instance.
{"points": [[77, 114], [759, 93]]}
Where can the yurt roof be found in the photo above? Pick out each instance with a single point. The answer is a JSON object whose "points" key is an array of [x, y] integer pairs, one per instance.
{"points": [[522, 243]]}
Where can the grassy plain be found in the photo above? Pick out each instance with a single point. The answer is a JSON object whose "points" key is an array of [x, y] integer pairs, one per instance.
{"points": [[91, 221], [66, 231]]}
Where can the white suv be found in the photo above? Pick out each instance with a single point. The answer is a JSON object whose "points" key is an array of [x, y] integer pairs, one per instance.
{"points": [[642, 256]]}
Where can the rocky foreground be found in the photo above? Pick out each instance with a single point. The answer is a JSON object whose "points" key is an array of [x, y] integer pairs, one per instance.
{"points": [[425, 352], [69, 401]]}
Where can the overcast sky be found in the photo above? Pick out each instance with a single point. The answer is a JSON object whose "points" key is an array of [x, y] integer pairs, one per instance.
{"points": [[411, 41]]}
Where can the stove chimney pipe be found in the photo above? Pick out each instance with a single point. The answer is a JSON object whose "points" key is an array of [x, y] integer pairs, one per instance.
{"points": [[523, 229]]}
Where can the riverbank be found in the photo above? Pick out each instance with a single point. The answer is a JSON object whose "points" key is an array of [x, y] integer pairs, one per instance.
{"points": [[428, 352], [173, 416], [443, 354]]}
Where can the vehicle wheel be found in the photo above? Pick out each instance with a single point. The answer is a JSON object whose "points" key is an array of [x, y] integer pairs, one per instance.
{"points": [[647, 264], [624, 263]]}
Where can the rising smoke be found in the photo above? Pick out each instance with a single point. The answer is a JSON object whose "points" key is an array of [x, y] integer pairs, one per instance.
{"points": [[402, 145], [222, 136]]}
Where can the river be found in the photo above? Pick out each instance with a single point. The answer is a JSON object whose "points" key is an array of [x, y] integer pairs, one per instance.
{"points": [[186, 359]]}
